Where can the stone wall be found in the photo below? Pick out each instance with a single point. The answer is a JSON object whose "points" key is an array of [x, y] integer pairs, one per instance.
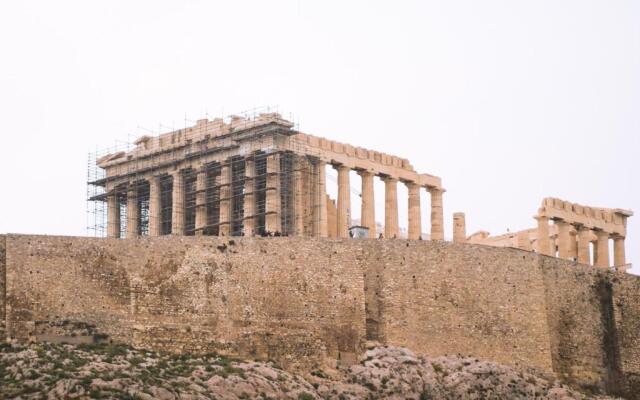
{"points": [[443, 298], [576, 299], [294, 301], [306, 301], [3, 294], [626, 300], [594, 325]]}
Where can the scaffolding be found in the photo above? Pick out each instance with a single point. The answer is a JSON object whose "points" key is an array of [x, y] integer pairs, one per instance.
{"points": [[225, 185]]}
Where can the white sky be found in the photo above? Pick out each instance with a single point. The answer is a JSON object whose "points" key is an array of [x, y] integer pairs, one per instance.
{"points": [[508, 101]]}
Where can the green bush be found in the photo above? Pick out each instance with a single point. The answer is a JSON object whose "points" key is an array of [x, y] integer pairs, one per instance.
{"points": [[305, 396]]}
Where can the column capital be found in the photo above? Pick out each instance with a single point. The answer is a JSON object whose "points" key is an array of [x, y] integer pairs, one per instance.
{"points": [[201, 168], [132, 187], [434, 189], [364, 172], [316, 161], [341, 167], [411, 185], [389, 178], [581, 227], [561, 223], [153, 177]]}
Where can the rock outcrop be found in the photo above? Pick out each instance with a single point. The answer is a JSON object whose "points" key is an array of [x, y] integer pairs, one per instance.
{"points": [[56, 371]]}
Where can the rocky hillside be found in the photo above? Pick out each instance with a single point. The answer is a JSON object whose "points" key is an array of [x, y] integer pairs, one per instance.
{"points": [[110, 371]]}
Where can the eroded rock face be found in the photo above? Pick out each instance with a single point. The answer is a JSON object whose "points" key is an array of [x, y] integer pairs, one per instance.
{"points": [[58, 371]]}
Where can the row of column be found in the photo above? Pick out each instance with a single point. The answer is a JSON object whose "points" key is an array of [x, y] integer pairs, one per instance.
{"points": [[133, 215], [391, 227], [578, 247], [272, 202], [315, 185]]}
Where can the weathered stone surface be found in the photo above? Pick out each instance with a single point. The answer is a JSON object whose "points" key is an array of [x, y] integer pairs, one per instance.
{"points": [[3, 283], [253, 297], [443, 298], [116, 371], [307, 302]]}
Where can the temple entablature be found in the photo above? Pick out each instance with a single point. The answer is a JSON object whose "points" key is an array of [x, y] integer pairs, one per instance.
{"points": [[240, 135], [613, 221], [204, 130], [358, 158]]}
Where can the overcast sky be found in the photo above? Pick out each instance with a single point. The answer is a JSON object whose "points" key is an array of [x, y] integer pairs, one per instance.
{"points": [[508, 101]]}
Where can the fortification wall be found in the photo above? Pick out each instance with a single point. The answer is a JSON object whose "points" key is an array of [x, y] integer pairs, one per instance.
{"points": [[306, 301], [444, 298], [578, 302], [3, 281], [293, 301], [626, 301]]}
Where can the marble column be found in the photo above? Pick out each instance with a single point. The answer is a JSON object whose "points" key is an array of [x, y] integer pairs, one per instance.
{"points": [[133, 212], [554, 246], [298, 195], [459, 228], [249, 223], [437, 217], [573, 243], [415, 216], [201, 200], [273, 218], [177, 210], [320, 206], [618, 251], [368, 211], [584, 238], [602, 254], [564, 239], [113, 216], [391, 229], [225, 199], [344, 200], [155, 207], [543, 242]]}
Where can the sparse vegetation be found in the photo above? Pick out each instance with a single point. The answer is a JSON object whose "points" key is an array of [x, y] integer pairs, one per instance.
{"points": [[116, 371]]}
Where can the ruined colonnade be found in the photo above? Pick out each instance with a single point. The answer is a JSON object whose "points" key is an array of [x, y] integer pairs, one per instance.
{"points": [[262, 178], [577, 228], [305, 172], [565, 230]]}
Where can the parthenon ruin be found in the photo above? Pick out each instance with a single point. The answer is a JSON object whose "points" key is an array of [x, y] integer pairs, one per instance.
{"points": [[253, 176], [579, 233]]}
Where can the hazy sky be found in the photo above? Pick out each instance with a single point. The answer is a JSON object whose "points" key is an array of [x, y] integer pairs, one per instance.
{"points": [[508, 101]]}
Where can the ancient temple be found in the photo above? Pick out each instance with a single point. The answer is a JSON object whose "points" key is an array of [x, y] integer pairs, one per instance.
{"points": [[577, 232], [253, 176]]}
